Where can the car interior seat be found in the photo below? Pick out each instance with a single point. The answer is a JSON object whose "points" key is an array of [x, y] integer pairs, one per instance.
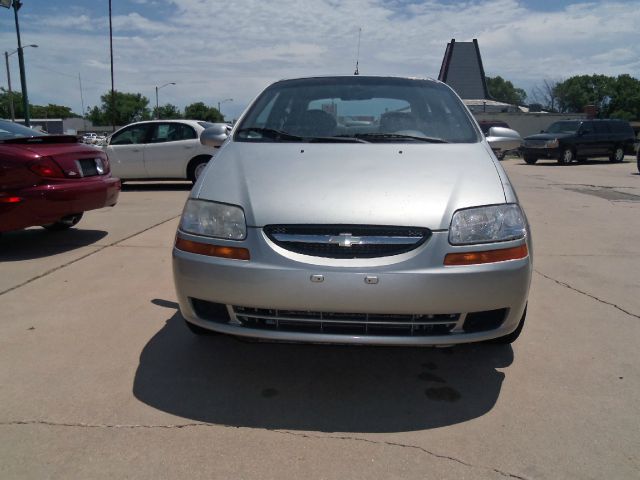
{"points": [[313, 123], [397, 121]]}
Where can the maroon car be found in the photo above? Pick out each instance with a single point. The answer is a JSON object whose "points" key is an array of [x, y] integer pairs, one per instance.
{"points": [[50, 180]]}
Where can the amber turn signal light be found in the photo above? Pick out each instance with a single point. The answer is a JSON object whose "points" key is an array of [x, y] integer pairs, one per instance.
{"points": [[488, 256], [190, 246]]}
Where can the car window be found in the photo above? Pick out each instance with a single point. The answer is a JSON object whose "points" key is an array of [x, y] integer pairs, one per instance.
{"points": [[130, 135], [375, 109], [602, 127], [171, 132], [586, 127], [10, 130], [564, 127]]}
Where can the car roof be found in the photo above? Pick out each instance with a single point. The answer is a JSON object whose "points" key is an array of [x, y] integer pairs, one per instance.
{"points": [[393, 77]]}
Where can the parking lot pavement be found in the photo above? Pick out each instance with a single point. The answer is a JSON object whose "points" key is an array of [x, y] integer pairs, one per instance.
{"points": [[100, 379], [33, 252]]}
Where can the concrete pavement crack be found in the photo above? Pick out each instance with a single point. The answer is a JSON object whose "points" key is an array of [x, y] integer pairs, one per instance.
{"points": [[99, 249], [564, 284], [102, 425], [401, 445], [282, 432]]}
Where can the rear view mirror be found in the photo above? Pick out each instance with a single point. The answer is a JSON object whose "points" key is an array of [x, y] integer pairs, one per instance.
{"points": [[214, 136], [503, 139]]}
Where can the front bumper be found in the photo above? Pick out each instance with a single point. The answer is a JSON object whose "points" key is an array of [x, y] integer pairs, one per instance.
{"points": [[541, 152], [48, 203], [414, 283]]}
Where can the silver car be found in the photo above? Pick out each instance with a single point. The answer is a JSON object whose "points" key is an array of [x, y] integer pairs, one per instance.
{"points": [[399, 229]]}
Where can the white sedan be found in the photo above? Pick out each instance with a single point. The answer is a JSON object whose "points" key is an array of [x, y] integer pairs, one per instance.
{"points": [[159, 149]]}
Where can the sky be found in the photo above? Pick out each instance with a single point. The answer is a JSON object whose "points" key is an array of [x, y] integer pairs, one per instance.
{"points": [[218, 50]]}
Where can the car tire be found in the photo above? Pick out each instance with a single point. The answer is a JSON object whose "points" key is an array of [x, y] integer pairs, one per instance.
{"points": [[530, 160], [64, 223], [196, 166], [566, 156], [198, 330], [617, 155], [512, 337]]}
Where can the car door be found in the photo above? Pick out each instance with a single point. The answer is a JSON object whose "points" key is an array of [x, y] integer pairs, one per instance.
{"points": [[604, 138], [170, 147], [126, 151], [586, 142]]}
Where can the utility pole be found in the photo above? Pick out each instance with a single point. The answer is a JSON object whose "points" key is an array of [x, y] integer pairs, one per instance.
{"points": [[113, 95], [84, 114], [23, 78], [13, 113]]}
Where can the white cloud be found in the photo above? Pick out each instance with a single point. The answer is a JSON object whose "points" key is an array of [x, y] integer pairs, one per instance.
{"points": [[216, 50]]}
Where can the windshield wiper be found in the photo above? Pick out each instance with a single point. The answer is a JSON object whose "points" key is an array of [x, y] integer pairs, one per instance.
{"points": [[269, 133], [392, 136]]}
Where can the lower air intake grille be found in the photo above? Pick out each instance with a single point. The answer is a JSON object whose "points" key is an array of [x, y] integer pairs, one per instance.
{"points": [[346, 323]]}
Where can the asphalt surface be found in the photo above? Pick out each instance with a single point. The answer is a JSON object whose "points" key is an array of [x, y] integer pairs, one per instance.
{"points": [[99, 378]]}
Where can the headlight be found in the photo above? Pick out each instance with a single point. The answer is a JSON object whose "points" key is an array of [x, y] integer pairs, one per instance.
{"points": [[496, 223], [552, 143], [213, 219]]}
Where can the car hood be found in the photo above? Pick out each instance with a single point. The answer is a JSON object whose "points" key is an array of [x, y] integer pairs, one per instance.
{"points": [[548, 136], [374, 184]]}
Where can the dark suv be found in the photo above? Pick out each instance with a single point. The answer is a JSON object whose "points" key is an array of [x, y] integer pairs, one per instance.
{"points": [[570, 140]]}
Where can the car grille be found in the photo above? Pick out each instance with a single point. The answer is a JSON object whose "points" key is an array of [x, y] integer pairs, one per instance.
{"points": [[346, 323], [347, 241], [535, 143]]}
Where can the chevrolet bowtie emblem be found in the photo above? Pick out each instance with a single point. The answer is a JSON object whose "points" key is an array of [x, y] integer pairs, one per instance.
{"points": [[344, 240]]}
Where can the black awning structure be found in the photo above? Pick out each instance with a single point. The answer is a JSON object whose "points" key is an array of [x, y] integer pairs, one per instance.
{"points": [[462, 70]]}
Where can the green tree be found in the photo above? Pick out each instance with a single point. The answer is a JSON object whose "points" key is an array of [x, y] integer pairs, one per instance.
{"points": [[96, 116], [167, 111], [199, 111], [129, 107], [624, 98], [576, 92], [504, 91], [5, 110], [51, 111], [36, 111]]}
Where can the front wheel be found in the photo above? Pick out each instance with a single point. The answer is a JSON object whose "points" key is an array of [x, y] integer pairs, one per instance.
{"points": [[566, 157], [530, 160], [64, 223], [617, 155]]}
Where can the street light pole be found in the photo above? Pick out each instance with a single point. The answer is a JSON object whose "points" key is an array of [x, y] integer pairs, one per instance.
{"points": [[13, 113], [221, 102], [6, 59], [23, 78], [157, 106]]}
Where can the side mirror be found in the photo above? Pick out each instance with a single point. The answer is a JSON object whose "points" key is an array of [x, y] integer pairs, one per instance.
{"points": [[541, 131], [214, 136], [502, 139]]}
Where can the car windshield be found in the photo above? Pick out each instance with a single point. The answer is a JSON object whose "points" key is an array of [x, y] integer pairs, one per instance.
{"points": [[564, 127], [9, 130], [357, 110]]}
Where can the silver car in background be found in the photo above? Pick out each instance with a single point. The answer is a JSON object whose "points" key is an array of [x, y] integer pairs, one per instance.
{"points": [[399, 229]]}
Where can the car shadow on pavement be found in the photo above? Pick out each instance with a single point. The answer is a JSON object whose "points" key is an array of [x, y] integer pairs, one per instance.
{"points": [[226, 381], [38, 243], [548, 162], [157, 186]]}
